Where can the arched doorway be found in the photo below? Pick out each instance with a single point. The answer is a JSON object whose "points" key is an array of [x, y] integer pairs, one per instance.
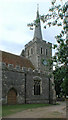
{"points": [[12, 96]]}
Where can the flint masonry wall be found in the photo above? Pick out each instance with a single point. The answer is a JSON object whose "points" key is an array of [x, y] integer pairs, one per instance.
{"points": [[17, 78], [44, 92], [36, 57], [13, 78]]}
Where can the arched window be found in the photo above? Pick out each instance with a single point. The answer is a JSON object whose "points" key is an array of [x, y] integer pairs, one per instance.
{"points": [[36, 87], [41, 50], [46, 52], [28, 52], [31, 50]]}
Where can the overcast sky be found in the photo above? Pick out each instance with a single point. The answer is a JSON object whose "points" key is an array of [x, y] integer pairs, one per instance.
{"points": [[14, 17]]}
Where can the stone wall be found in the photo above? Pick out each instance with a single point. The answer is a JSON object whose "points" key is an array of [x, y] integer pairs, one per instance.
{"points": [[0, 83], [44, 93], [22, 80], [36, 57], [13, 78]]}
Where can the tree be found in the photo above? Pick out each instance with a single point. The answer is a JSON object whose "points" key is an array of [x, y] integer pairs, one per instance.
{"points": [[57, 16], [58, 79], [61, 56]]}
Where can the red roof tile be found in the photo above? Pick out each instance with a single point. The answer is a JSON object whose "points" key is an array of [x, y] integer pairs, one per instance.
{"points": [[9, 58]]}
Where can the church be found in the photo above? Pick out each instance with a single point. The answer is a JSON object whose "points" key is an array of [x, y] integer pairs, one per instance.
{"points": [[25, 78]]}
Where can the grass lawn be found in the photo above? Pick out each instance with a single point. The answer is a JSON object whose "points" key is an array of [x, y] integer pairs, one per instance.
{"points": [[11, 109]]}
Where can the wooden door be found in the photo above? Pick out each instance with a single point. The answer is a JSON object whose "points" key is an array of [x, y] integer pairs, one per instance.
{"points": [[12, 97]]}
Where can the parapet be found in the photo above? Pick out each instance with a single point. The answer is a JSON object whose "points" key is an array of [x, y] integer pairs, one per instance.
{"points": [[47, 42], [29, 44], [36, 39], [17, 68]]}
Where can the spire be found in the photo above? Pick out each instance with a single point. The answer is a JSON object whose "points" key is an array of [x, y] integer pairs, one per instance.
{"points": [[37, 10], [37, 32]]}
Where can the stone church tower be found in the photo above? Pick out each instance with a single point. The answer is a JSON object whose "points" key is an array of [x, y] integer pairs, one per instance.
{"points": [[38, 51]]}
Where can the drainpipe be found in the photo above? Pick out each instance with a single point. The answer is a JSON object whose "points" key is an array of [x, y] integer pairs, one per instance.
{"points": [[49, 90], [25, 88]]}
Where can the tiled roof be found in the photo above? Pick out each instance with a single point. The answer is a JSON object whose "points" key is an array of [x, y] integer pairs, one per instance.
{"points": [[9, 58]]}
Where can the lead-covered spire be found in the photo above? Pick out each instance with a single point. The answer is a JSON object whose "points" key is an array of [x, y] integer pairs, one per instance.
{"points": [[37, 32], [37, 10]]}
